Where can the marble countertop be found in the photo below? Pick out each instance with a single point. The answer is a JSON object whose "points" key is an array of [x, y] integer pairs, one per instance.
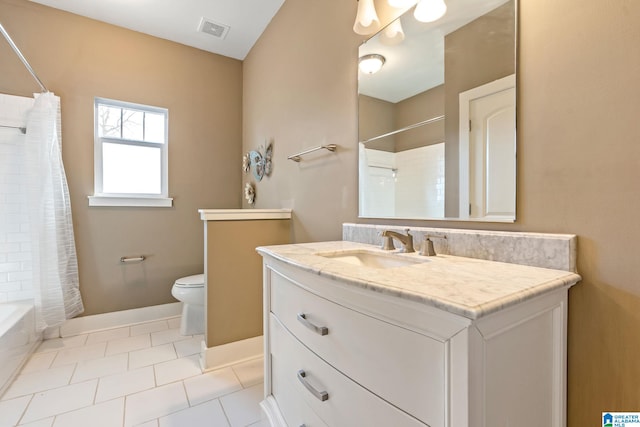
{"points": [[465, 286]]}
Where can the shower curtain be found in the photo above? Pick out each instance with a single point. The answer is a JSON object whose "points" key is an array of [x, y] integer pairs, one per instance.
{"points": [[54, 262]]}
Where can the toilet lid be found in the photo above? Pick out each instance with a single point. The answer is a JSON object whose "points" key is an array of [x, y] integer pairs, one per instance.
{"points": [[195, 281]]}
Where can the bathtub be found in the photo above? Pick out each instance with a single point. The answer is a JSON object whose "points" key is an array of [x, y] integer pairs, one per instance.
{"points": [[18, 339]]}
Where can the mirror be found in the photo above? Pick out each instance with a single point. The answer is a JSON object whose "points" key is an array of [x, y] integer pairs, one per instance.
{"points": [[437, 121]]}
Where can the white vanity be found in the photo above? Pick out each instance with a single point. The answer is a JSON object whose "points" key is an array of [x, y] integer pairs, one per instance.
{"points": [[356, 336]]}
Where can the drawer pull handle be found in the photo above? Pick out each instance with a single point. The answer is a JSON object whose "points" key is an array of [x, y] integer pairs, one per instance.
{"points": [[320, 330], [321, 395]]}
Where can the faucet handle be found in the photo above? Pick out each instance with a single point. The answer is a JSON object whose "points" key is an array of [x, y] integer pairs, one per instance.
{"points": [[387, 243], [427, 248]]}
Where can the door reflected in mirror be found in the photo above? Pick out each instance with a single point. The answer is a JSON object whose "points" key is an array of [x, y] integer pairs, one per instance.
{"points": [[437, 120]]}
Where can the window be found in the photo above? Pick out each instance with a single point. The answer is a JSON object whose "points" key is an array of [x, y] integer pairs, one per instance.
{"points": [[130, 155]]}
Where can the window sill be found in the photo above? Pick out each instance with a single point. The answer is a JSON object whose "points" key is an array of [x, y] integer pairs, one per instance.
{"points": [[145, 202]]}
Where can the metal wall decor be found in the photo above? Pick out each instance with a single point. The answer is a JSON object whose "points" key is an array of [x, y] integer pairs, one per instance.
{"points": [[257, 162]]}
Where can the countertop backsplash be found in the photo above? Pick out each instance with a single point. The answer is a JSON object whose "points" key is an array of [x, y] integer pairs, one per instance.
{"points": [[556, 251]]}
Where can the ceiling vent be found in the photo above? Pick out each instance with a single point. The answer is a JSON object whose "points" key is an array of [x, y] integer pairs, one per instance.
{"points": [[213, 28]]}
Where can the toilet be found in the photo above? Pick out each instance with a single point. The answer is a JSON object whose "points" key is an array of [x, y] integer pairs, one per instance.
{"points": [[190, 290]]}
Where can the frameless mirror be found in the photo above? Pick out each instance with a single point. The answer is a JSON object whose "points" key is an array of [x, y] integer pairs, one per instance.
{"points": [[437, 121]]}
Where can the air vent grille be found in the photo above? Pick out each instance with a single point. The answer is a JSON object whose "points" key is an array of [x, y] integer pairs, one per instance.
{"points": [[213, 28]]}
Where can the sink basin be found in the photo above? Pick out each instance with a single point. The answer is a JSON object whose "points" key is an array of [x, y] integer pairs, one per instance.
{"points": [[371, 259]]}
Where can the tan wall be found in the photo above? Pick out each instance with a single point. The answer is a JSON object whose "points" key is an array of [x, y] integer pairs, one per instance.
{"points": [[578, 158], [79, 59], [425, 105], [377, 117], [234, 276]]}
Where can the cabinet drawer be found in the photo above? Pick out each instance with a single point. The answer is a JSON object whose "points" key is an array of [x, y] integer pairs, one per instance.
{"points": [[293, 408], [403, 367], [347, 404]]}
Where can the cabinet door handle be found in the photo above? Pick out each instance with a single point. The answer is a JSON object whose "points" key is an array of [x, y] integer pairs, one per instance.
{"points": [[320, 330], [321, 395]]}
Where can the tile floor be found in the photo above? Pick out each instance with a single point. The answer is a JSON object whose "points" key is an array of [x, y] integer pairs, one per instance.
{"points": [[145, 375]]}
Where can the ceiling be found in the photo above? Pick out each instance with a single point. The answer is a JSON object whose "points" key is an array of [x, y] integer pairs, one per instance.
{"points": [[180, 20], [417, 63]]}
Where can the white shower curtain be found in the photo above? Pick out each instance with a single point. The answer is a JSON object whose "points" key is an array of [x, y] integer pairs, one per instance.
{"points": [[55, 266]]}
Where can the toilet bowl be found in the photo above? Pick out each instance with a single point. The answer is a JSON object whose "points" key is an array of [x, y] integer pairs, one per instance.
{"points": [[190, 290]]}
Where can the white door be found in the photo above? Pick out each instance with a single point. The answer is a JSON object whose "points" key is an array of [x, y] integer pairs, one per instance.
{"points": [[488, 151]]}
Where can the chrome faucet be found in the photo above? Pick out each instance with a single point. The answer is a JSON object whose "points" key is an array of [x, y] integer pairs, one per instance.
{"points": [[405, 239]]}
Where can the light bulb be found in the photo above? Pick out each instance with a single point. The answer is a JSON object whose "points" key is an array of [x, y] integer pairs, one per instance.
{"points": [[401, 4], [367, 21], [392, 34], [430, 10]]}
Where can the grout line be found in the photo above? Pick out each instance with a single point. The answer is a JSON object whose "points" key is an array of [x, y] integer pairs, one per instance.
{"points": [[224, 412], [24, 411]]}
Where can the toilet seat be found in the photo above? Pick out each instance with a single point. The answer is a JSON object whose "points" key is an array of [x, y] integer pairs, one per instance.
{"points": [[195, 281]]}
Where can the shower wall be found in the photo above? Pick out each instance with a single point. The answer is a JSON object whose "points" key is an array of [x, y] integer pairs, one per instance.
{"points": [[15, 254]]}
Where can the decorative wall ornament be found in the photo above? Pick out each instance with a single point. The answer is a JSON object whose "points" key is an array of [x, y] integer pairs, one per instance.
{"points": [[260, 164], [250, 193]]}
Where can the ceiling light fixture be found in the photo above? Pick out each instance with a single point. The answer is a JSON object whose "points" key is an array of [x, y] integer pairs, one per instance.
{"points": [[401, 4], [430, 10], [371, 64], [392, 34], [367, 21]]}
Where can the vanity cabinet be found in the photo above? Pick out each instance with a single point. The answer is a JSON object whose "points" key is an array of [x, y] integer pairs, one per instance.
{"points": [[344, 355]]}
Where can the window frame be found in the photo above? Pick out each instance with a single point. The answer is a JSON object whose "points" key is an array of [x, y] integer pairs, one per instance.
{"points": [[100, 198]]}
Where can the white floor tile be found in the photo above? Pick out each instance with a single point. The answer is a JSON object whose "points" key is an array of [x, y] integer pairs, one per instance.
{"points": [[165, 400], [60, 400], [39, 381], [163, 378], [78, 354], [176, 370], [61, 343], [47, 422], [123, 345], [147, 328], [262, 423], [151, 355], [104, 366], [205, 415], [11, 410], [242, 407], [108, 335], [170, 335], [38, 362], [107, 414], [250, 373], [211, 385], [189, 346], [126, 383]]}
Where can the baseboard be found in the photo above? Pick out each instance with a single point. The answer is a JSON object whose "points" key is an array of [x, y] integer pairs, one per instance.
{"points": [[225, 355], [114, 319]]}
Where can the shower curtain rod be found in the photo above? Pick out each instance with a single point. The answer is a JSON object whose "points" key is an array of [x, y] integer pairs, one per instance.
{"points": [[22, 58]]}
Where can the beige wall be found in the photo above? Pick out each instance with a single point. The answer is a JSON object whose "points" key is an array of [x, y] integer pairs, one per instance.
{"points": [[423, 106], [80, 59], [377, 117], [578, 158], [234, 276]]}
